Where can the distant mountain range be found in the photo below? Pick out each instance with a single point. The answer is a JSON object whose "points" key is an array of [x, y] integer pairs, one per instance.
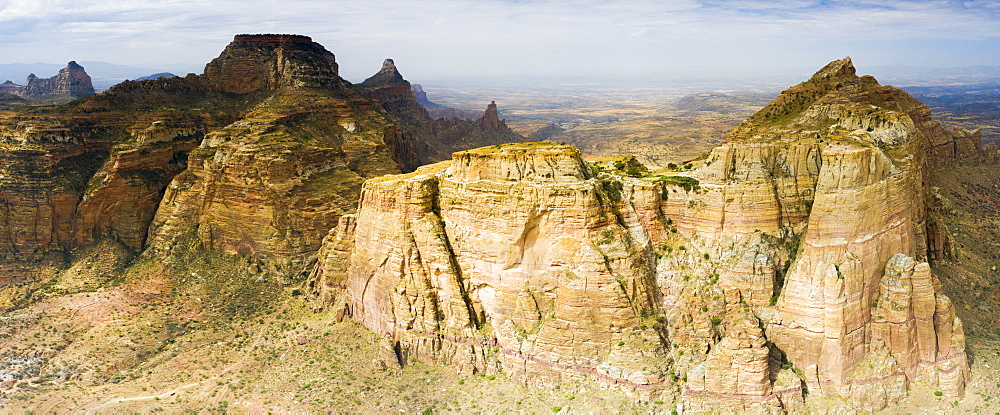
{"points": [[103, 74]]}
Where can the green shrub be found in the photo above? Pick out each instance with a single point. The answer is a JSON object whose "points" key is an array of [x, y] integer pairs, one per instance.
{"points": [[686, 183]]}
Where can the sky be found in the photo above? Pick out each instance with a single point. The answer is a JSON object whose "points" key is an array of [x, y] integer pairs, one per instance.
{"points": [[434, 39]]}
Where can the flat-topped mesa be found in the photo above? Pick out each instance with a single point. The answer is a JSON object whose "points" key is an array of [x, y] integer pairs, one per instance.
{"points": [[255, 62], [508, 257], [534, 162]]}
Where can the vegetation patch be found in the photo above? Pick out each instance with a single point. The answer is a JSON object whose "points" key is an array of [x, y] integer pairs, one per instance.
{"points": [[689, 184]]}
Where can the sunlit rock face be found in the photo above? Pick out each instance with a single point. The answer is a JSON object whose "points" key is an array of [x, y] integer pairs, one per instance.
{"points": [[274, 182], [792, 260], [511, 257]]}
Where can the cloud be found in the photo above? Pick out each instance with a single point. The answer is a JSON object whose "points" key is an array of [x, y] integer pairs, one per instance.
{"points": [[498, 36]]}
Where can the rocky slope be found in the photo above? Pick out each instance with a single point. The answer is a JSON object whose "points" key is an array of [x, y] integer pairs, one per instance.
{"points": [[70, 83], [791, 263], [269, 137]]}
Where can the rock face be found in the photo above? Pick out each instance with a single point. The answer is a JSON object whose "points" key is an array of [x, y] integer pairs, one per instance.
{"points": [[261, 155], [792, 260], [70, 83], [286, 191], [918, 326], [511, 257], [66, 183], [255, 62], [740, 366], [289, 168]]}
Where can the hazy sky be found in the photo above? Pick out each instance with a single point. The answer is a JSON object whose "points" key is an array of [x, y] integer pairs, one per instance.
{"points": [[441, 38]]}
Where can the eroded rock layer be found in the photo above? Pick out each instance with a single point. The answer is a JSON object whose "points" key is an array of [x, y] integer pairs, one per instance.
{"points": [[262, 154], [513, 255], [789, 261]]}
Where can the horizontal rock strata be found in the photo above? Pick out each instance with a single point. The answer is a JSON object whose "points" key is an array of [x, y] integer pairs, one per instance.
{"points": [[484, 258], [790, 261]]}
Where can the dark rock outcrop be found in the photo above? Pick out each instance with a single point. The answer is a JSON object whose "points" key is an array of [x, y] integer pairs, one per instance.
{"points": [[70, 83], [256, 62]]}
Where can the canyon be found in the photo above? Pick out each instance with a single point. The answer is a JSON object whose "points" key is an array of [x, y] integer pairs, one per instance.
{"points": [[795, 267]]}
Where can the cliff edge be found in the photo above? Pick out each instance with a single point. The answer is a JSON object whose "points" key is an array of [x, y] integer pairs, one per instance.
{"points": [[792, 262]]}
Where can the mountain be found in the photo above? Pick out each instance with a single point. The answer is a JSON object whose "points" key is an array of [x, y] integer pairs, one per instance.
{"points": [[156, 75], [790, 265], [270, 135], [70, 83], [267, 237], [103, 74], [235, 175]]}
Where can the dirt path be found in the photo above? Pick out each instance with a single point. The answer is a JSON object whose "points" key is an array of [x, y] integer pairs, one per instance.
{"points": [[97, 409], [256, 340]]}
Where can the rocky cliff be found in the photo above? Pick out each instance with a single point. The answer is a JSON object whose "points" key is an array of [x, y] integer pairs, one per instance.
{"points": [[70, 83], [511, 257], [792, 260], [269, 137]]}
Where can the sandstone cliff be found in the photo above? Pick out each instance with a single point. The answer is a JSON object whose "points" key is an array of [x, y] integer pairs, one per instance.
{"points": [[269, 137], [512, 257], [792, 260], [101, 165], [70, 83], [824, 186]]}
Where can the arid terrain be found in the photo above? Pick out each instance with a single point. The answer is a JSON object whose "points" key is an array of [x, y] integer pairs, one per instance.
{"points": [[287, 242], [659, 124]]}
